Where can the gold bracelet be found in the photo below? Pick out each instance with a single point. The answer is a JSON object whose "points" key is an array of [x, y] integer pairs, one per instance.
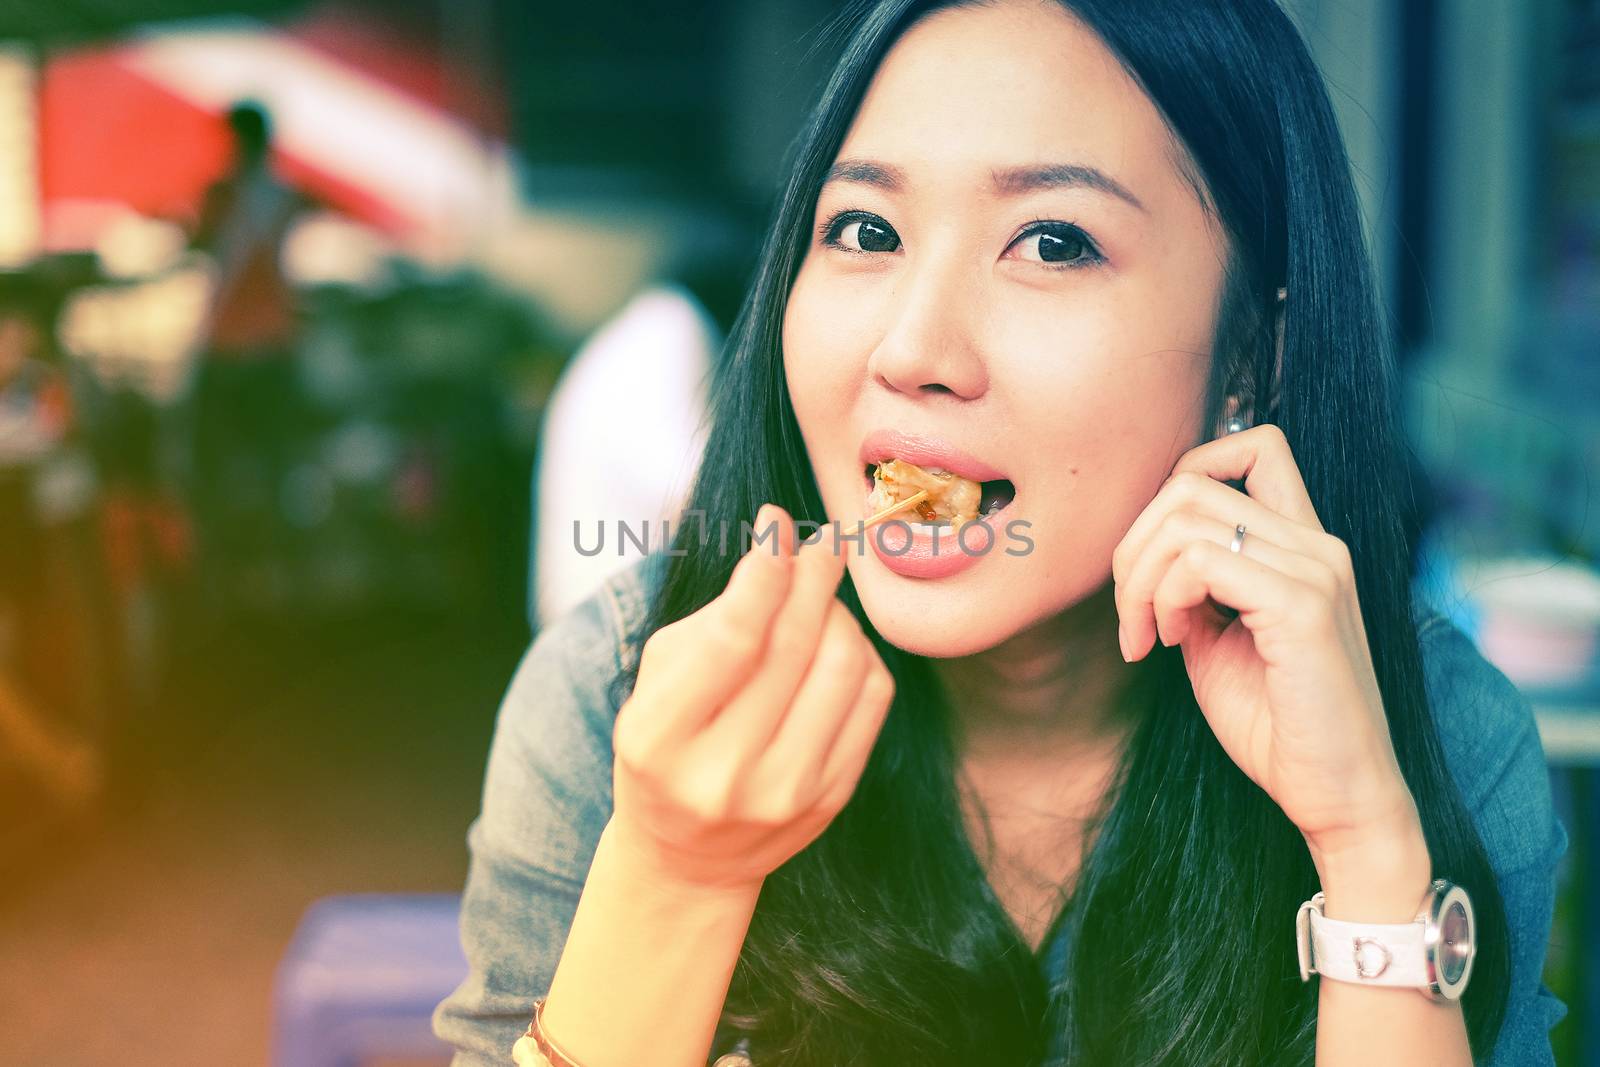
{"points": [[536, 1049], [548, 1051]]}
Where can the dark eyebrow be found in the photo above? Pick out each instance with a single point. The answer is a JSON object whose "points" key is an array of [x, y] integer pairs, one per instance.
{"points": [[866, 172], [1010, 181], [1015, 181]]}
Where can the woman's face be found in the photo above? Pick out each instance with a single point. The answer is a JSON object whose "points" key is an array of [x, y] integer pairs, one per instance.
{"points": [[1007, 260]]}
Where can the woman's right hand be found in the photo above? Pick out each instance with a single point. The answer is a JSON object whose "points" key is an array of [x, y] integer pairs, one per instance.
{"points": [[751, 719]]}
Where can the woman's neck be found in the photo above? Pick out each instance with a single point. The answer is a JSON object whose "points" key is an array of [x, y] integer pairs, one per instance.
{"points": [[1050, 692]]}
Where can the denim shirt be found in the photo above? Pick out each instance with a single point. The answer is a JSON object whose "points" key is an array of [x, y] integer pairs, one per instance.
{"points": [[547, 795]]}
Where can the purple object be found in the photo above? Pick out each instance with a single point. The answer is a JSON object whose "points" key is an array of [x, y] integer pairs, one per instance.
{"points": [[362, 976]]}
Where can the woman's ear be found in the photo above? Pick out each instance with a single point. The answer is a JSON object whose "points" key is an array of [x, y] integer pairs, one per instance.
{"points": [[1277, 357], [1234, 406], [1235, 415]]}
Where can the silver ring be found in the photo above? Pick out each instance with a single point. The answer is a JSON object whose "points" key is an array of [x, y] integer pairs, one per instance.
{"points": [[1238, 538]]}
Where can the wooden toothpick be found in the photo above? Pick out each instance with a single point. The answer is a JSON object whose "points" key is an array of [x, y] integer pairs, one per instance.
{"points": [[914, 498]]}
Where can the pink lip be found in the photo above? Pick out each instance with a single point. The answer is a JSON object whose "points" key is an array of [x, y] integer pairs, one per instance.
{"points": [[917, 553], [925, 452], [913, 552]]}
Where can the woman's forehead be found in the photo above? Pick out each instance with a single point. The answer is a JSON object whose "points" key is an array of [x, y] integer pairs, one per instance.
{"points": [[973, 94]]}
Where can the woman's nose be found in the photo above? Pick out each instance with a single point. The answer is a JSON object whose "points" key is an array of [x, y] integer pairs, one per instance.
{"points": [[928, 347]]}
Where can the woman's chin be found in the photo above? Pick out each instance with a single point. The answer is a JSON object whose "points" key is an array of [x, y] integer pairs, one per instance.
{"points": [[929, 623], [919, 642]]}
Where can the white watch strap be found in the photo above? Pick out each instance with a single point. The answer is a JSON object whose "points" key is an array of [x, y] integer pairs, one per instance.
{"points": [[1387, 954]]}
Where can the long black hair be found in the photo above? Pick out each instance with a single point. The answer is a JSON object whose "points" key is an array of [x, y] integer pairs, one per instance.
{"points": [[881, 943]]}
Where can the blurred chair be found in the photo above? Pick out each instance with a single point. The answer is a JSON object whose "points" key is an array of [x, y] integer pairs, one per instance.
{"points": [[361, 978]]}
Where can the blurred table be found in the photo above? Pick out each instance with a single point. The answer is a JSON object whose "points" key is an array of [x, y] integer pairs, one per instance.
{"points": [[1571, 734], [1569, 720], [1569, 727]]}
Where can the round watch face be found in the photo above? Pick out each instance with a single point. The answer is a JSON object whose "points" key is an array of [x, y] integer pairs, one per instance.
{"points": [[1450, 937], [1455, 942]]}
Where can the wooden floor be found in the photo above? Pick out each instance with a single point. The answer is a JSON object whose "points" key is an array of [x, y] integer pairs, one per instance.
{"points": [[282, 766]]}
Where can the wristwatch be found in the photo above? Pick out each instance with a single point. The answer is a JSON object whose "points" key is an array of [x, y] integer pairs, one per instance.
{"points": [[1432, 954]]}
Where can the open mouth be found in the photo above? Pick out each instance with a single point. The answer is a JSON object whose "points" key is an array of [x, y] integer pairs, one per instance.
{"points": [[947, 498], [995, 495]]}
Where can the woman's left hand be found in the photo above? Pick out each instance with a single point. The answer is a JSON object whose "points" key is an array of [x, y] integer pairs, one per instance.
{"points": [[1288, 685]]}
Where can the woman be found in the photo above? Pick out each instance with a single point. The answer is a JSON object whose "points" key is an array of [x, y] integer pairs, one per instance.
{"points": [[866, 808]]}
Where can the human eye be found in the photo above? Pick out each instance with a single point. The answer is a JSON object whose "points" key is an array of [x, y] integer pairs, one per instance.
{"points": [[858, 232], [1058, 245]]}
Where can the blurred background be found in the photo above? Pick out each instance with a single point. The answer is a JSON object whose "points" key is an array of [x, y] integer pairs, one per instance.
{"points": [[317, 323]]}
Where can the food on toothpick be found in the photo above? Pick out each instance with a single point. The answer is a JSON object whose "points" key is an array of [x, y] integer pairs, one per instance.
{"points": [[940, 497]]}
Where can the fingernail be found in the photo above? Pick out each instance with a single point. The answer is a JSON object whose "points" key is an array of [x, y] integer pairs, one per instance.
{"points": [[1122, 642]]}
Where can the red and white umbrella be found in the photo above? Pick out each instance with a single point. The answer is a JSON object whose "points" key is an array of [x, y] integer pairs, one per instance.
{"points": [[361, 125]]}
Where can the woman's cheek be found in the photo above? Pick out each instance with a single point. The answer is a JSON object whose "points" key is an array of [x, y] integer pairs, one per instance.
{"points": [[1101, 426], [825, 349], [817, 370], [800, 350]]}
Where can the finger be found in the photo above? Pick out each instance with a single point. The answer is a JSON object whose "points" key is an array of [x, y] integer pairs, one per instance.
{"points": [[1193, 491], [692, 667], [1261, 457], [1265, 597], [753, 713], [827, 543], [760, 580], [1135, 598], [857, 736], [818, 709]]}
